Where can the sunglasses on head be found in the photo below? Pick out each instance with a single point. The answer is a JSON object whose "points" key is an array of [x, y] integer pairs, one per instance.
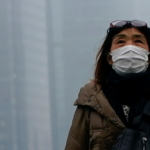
{"points": [[122, 23]]}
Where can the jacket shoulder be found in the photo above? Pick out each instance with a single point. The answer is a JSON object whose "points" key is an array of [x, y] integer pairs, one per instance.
{"points": [[86, 92]]}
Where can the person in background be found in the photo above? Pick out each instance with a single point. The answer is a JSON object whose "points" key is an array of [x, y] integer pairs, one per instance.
{"points": [[119, 91]]}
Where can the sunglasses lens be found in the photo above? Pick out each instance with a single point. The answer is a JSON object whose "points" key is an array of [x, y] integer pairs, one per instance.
{"points": [[121, 23], [118, 23], [138, 23]]}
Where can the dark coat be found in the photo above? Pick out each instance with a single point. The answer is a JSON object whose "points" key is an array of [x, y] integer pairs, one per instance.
{"points": [[95, 125]]}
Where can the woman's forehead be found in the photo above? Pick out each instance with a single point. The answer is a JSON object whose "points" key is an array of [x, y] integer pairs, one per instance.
{"points": [[131, 31]]}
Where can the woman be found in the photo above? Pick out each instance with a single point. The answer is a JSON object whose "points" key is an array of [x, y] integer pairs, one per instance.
{"points": [[119, 91]]}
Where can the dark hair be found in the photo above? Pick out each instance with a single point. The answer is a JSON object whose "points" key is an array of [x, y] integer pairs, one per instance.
{"points": [[101, 66]]}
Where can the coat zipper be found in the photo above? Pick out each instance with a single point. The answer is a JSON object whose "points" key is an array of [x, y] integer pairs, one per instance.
{"points": [[144, 139]]}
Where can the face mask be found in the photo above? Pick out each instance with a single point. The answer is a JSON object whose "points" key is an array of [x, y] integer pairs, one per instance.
{"points": [[129, 59]]}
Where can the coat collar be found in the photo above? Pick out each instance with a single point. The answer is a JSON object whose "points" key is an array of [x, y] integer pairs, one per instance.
{"points": [[92, 95]]}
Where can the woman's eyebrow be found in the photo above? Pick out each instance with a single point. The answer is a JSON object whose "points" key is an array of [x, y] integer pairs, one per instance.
{"points": [[139, 36], [124, 35]]}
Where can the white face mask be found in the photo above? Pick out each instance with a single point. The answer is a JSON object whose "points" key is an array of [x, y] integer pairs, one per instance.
{"points": [[129, 59]]}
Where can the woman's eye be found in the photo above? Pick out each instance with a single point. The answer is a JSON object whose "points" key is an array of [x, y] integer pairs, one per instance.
{"points": [[138, 41], [120, 41]]}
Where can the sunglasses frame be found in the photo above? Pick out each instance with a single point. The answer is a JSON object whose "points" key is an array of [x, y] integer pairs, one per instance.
{"points": [[127, 22]]}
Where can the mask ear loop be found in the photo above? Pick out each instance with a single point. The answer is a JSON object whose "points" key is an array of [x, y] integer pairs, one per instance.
{"points": [[109, 58], [110, 53], [148, 58]]}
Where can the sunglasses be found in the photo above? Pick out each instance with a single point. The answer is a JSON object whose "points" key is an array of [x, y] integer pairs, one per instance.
{"points": [[122, 23]]}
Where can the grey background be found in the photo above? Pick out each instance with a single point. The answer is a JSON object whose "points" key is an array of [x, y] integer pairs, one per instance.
{"points": [[47, 53]]}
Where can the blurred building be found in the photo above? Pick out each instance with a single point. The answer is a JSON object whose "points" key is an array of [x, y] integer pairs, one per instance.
{"points": [[71, 38], [24, 76]]}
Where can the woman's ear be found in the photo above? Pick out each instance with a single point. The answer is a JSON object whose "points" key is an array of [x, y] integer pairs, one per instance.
{"points": [[109, 59]]}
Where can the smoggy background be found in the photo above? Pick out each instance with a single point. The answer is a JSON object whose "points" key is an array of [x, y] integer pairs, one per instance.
{"points": [[47, 53]]}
